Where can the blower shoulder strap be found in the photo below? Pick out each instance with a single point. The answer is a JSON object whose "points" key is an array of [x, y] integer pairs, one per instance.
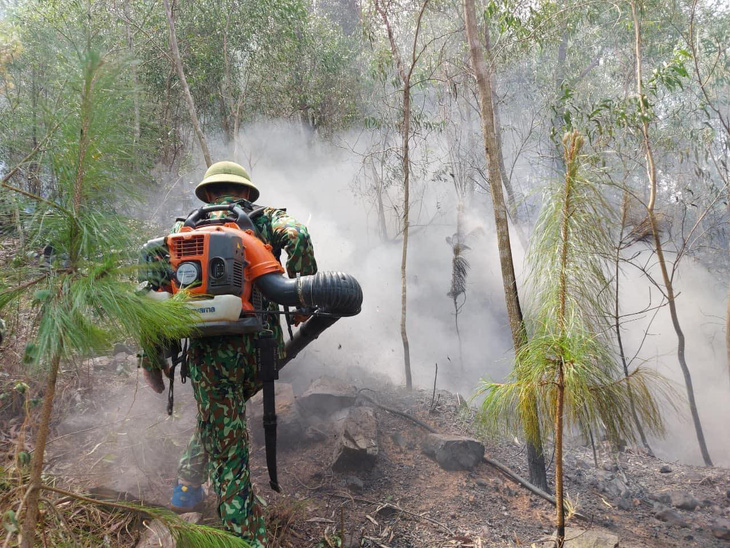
{"points": [[266, 347]]}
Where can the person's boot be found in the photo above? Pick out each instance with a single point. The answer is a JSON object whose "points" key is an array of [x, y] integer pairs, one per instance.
{"points": [[186, 497]]}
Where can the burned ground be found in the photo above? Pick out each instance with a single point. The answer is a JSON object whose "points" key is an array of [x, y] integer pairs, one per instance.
{"points": [[114, 434]]}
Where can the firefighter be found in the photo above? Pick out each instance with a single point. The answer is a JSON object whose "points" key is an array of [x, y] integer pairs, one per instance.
{"points": [[223, 372]]}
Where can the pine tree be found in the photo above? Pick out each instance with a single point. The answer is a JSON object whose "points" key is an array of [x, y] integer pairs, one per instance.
{"points": [[85, 294], [567, 367]]}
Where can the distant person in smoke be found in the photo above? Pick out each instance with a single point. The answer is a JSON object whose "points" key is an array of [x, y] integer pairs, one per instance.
{"points": [[224, 374]]}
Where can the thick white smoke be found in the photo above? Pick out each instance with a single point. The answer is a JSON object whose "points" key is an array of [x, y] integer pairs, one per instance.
{"points": [[313, 179]]}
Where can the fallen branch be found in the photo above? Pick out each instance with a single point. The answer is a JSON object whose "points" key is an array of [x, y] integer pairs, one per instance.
{"points": [[130, 507], [395, 507]]}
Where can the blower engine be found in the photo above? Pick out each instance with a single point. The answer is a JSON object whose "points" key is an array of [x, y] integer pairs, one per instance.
{"points": [[226, 269]]}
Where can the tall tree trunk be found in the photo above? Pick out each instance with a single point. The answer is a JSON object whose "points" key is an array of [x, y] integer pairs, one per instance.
{"points": [[133, 71], [382, 228], [28, 530], [229, 106], [559, 496], [668, 285], [183, 81], [727, 335], [405, 76], [572, 148], [406, 133], [538, 475], [511, 201]]}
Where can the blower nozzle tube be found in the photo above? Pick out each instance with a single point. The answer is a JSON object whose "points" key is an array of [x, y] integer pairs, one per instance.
{"points": [[334, 294]]}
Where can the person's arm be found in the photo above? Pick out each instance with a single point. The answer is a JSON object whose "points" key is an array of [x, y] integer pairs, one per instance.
{"points": [[293, 237], [152, 362]]}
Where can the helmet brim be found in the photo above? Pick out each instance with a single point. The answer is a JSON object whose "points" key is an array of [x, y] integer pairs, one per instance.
{"points": [[206, 183]]}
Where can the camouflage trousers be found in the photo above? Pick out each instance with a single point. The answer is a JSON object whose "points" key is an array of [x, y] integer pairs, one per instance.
{"points": [[223, 376]]}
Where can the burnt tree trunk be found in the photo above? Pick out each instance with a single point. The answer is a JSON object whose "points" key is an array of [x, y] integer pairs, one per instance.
{"points": [[538, 475], [184, 83]]}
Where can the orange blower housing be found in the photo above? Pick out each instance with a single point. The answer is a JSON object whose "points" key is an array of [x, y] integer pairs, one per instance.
{"points": [[219, 260]]}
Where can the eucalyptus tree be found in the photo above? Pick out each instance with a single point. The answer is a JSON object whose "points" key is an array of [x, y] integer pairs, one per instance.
{"points": [[667, 280], [405, 63], [493, 151]]}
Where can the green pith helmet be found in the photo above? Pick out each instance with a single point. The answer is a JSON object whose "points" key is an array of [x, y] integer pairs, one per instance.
{"points": [[226, 172]]}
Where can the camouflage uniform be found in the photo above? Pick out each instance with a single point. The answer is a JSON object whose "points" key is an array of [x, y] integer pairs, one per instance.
{"points": [[223, 375]]}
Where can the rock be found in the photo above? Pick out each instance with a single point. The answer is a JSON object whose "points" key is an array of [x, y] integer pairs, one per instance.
{"points": [[482, 482], [120, 357], [625, 504], [122, 348], [156, 535], [610, 466], [683, 500], [581, 538], [615, 487], [399, 440], [592, 538], [666, 469], [285, 401], [721, 529], [325, 396], [661, 496], [357, 445], [453, 452], [101, 362], [290, 428], [672, 517], [354, 484]]}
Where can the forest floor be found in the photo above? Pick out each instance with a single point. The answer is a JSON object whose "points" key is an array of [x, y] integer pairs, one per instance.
{"points": [[112, 432]]}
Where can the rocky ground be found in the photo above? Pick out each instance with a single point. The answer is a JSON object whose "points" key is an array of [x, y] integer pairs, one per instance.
{"points": [[346, 464]]}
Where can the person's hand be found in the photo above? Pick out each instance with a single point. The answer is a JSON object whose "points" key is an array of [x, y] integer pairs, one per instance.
{"points": [[300, 318], [154, 380]]}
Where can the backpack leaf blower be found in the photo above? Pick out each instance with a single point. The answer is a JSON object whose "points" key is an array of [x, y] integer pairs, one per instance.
{"points": [[226, 270]]}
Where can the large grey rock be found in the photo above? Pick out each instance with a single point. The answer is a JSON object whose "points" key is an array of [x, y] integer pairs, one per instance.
{"points": [[357, 445], [325, 396], [683, 500], [721, 529], [664, 497], [453, 452], [156, 535], [615, 487], [670, 516], [591, 538], [582, 538]]}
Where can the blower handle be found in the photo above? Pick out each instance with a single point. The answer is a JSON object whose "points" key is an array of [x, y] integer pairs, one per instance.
{"points": [[199, 217]]}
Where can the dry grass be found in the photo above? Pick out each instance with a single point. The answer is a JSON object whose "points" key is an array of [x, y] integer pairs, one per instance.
{"points": [[64, 521]]}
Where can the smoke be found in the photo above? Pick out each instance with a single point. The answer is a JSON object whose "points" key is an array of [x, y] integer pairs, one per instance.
{"points": [[313, 179], [701, 305]]}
